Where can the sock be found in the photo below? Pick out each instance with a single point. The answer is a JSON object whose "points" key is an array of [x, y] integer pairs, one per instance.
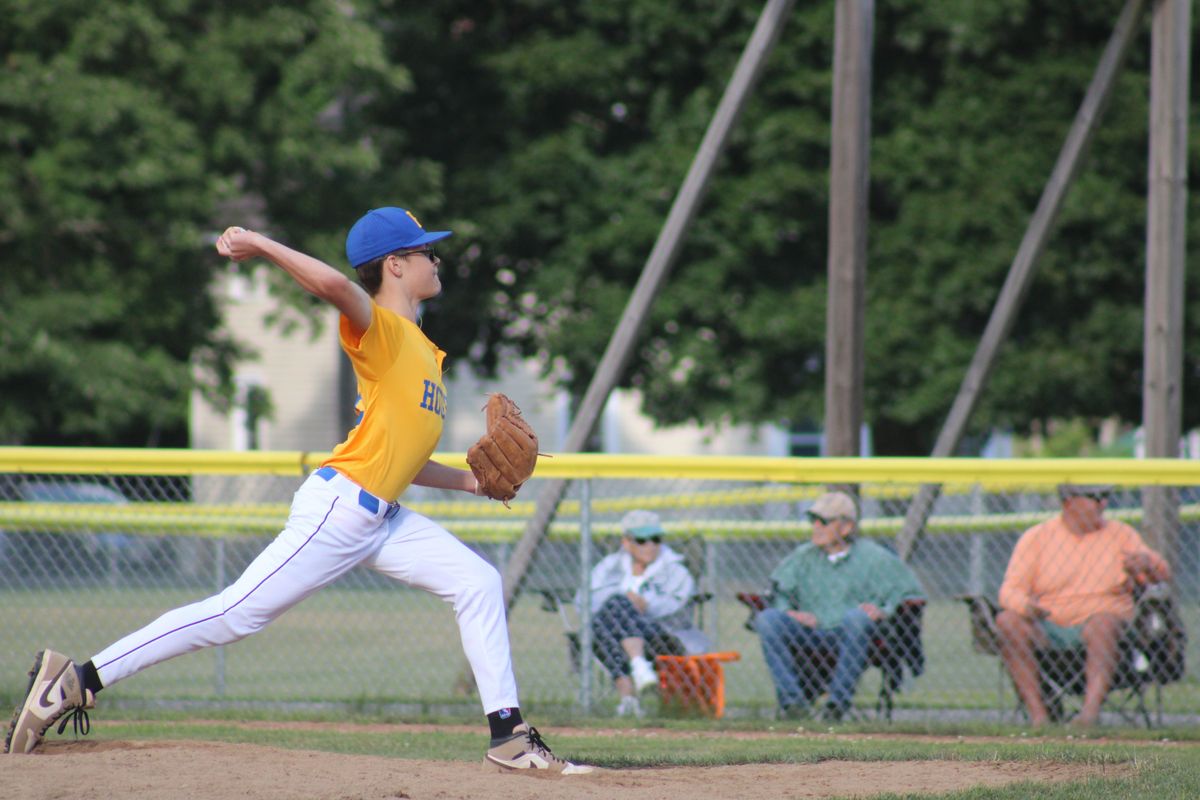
{"points": [[503, 721], [91, 678]]}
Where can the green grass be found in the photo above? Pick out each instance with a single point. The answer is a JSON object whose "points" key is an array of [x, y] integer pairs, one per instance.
{"points": [[367, 648], [1149, 768]]}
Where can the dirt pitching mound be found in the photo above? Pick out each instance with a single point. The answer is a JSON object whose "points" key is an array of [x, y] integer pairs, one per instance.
{"points": [[177, 770]]}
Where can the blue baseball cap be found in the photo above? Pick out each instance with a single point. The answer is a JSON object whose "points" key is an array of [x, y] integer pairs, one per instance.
{"points": [[384, 230]]}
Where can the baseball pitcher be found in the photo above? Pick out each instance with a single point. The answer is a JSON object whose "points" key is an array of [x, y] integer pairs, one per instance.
{"points": [[345, 513]]}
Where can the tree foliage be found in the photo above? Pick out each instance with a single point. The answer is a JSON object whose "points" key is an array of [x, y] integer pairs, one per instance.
{"points": [[583, 118], [131, 131], [552, 137]]}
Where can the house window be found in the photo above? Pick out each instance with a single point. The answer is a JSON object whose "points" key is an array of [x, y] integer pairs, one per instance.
{"points": [[250, 414]]}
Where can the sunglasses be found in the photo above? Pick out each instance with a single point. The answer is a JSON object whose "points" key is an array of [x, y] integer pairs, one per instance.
{"points": [[656, 539], [424, 251], [1099, 497], [814, 517]]}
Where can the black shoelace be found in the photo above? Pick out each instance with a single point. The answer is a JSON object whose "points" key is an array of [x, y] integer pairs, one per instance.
{"points": [[79, 718], [536, 740]]}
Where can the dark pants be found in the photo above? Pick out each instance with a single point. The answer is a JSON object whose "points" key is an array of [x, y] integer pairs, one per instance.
{"points": [[618, 619]]}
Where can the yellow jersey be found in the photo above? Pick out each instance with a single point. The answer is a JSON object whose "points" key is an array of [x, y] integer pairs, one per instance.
{"points": [[401, 404]]}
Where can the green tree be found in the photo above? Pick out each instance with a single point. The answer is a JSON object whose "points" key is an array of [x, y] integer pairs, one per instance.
{"points": [[130, 132], [566, 129], [553, 137]]}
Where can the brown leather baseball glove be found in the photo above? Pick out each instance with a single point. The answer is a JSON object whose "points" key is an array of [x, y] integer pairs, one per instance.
{"points": [[504, 457]]}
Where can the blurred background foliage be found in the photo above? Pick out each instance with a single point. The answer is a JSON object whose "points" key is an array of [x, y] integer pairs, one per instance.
{"points": [[552, 138]]}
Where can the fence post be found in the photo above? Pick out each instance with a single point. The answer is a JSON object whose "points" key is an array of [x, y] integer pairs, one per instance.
{"points": [[710, 621], [585, 592], [219, 655], [975, 569], [502, 553]]}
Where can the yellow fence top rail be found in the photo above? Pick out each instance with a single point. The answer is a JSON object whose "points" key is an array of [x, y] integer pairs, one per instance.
{"points": [[220, 522], [986, 472]]}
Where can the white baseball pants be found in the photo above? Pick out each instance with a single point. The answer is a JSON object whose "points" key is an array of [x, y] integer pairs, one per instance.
{"points": [[331, 529]]}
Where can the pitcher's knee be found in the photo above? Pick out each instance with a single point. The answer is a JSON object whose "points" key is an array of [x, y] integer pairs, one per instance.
{"points": [[238, 625], [482, 582]]}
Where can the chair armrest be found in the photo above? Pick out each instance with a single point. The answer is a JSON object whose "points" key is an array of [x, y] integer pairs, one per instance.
{"points": [[756, 603], [553, 599], [984, 604], [549, 601], [752, 600], [911, 608], [1152, 593], [985, 636]]}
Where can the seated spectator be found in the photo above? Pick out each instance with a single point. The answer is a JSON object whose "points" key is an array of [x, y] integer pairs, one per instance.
{"points": [[640, 605], [829, 595], [1069, 583]]}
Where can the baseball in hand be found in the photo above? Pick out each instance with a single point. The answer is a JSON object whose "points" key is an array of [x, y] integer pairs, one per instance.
{"points": [[233, 244]]}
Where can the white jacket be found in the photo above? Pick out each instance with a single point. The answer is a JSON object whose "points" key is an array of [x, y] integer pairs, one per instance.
{"points": [[666, 584]]}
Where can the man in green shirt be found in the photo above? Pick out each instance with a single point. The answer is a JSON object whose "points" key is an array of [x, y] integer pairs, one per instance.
{"points": [[829, 594]]}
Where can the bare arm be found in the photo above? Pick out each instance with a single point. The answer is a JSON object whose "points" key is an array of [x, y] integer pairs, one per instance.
{"points": [[638, 601], [1017, 592], [873, 611], [439, 476], [1148, 565], [314, 276]]}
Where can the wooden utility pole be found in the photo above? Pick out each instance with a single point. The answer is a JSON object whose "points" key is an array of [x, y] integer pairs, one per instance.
{"points": [[1166, 209], [849, 171], [1020, 274]]}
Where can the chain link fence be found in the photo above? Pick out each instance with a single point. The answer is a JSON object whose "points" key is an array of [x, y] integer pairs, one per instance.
{"points": [[91, 549]]}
